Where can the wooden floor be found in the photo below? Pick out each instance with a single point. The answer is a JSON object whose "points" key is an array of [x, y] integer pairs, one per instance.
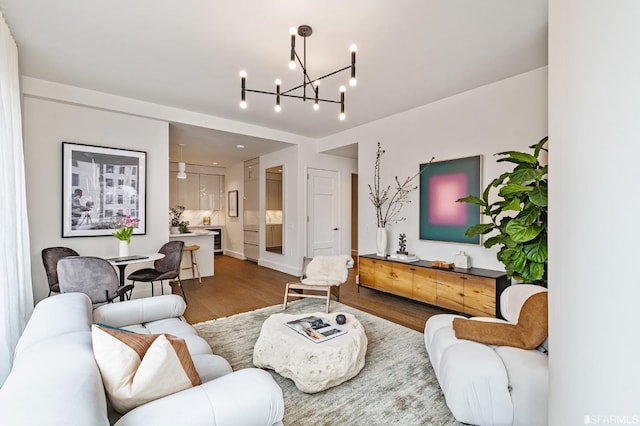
{"points": [[241, 286]]}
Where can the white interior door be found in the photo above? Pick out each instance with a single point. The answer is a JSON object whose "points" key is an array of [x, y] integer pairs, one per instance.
{"points": [[323, 227]]}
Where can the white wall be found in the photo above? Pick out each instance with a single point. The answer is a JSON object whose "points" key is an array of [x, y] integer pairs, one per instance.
{"points": [[594, 99], [45, 125], [507, 115], [233, 233]]}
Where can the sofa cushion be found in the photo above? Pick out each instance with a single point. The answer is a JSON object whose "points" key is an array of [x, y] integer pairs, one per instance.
{"points": [[138, 368], [530, 331]]}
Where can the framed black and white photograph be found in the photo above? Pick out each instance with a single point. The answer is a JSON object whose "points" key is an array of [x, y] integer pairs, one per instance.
{"points": [[233, 204], [101, 187]]}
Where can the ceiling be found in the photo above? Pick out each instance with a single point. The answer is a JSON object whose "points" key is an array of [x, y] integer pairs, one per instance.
{"points": [[187, 54]]}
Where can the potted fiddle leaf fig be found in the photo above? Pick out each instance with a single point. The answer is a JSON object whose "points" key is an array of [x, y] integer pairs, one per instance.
{"points": [[518, 219]]}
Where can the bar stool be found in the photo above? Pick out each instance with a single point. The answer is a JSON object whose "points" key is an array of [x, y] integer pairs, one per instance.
{"points": [[194, 261]]}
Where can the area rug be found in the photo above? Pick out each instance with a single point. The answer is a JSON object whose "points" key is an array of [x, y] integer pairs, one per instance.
{"points": [[397, 386]]}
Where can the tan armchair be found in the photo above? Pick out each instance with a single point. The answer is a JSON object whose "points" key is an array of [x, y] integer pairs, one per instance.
{"points": [[320, 278]]}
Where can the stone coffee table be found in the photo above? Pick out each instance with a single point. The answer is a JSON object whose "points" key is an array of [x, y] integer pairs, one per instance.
{"points": [[313, 367]]}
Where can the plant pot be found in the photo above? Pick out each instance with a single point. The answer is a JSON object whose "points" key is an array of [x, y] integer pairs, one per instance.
{"points": [[174, 230], [381, 242], [123, 248]]}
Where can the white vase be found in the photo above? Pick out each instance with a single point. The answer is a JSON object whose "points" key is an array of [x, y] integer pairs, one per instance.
{"points": [[174, 230], [123, 248], [381, 242]]}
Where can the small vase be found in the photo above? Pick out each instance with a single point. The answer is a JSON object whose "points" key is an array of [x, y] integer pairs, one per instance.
{"points": [[174, 230], [381, 242], [123, 248]]}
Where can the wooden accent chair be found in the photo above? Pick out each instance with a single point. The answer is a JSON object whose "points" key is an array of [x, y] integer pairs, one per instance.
{"points": [[320, 278]]}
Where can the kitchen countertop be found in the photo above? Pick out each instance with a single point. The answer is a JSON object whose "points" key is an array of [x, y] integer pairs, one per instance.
{"points": [[194, 234]]}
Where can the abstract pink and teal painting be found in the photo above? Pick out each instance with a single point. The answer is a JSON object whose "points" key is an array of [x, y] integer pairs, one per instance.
{"points": [[441, 184]]}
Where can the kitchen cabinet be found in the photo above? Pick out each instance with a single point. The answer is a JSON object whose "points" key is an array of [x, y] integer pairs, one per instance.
{"points": [[473, 291], [189, 191], [198, 191], [211, 192], [251, 209]]}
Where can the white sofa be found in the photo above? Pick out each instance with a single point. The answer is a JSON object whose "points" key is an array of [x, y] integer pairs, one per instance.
{"points": [[490, 385], [55, 379]]}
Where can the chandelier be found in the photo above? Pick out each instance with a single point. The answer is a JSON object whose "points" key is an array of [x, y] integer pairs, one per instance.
{"points": [[307, 82]]}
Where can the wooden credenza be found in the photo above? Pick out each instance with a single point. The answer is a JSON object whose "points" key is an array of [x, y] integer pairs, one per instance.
{"points": [[472, 291]]}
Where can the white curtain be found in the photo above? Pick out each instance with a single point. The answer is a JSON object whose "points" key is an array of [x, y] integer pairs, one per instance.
{"points": [[16, 294]]}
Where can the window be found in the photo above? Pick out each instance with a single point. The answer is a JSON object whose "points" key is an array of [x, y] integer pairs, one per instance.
{"points": [[74, 163], [108, 182], [108, 213], [108, 198], [134, 199], [120, 213], [134, 171], [75, 179], [120, 199], [123, 170], [133, 184], [120, 182], [109, 168]]}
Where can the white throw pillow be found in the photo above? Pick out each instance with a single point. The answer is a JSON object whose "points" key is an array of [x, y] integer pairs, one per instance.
{"points": [[138, 368]]}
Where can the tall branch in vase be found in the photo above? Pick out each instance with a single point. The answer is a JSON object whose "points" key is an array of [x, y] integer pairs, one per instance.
{"points": [[388, 204]]}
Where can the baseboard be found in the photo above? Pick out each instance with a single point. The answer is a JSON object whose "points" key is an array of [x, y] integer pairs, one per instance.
{"points": [[279, 267], [234, 254]]}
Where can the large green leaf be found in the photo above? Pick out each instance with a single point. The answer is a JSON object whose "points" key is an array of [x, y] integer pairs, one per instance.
{"points": [[518, 157], [513, 189], [528, 215], [519, 261], [496, 239], [537, 252], [520, 232], [481, 228], [512, 205], [524, 176], [499, 180], [539, 196], [472, 199], [534, 272]]}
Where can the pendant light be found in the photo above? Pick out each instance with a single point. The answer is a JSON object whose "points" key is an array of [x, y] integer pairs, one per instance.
{"points": [[181, 166]]}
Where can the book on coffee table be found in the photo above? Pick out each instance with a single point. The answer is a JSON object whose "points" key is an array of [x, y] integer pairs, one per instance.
{"points": [[315, 328]]}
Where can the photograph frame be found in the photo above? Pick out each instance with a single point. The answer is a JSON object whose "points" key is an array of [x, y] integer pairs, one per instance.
{"points": [[233, 203], [441, 184], [100, 187]]}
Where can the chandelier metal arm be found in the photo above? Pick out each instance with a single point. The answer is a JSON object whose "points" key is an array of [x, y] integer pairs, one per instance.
{"points": [[317, 79], [264, 92]]}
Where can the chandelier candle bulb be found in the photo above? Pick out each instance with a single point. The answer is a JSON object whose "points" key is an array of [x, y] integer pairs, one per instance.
{"points": [[277, 107], [292, 60], [352, 80], [243, 82]]}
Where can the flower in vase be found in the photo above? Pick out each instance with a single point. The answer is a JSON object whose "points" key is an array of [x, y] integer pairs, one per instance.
{"points": [[124, 228]]}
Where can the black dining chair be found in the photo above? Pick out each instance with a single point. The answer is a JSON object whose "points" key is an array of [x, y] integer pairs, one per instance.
{"points": [[167, 268], [93, 276], [50, 258]]}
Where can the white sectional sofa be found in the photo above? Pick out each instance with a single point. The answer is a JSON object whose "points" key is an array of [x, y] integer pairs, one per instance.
{"points": [[55, 379], [490, 385]]}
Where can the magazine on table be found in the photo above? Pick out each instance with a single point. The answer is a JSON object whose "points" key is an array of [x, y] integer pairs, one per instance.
{"points": [[315, 328]]}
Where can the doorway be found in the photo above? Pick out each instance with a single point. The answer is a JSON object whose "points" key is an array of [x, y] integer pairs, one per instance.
{"points": [[323, 212]]}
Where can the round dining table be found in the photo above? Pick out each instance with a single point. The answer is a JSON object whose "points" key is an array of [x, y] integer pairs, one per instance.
{"points": [[122, 262]]}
